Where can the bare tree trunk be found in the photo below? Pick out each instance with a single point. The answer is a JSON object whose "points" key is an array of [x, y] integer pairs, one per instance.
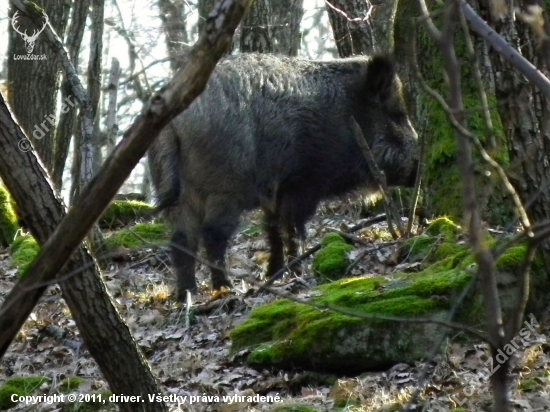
{"points": [[382, 22], [272, 26], [102, 329], [286, 17], [67, 120], [33, 84], [84, 152], [172, 16], [352, 28], [204, 8], [112, 125], [526, 118], [256, 35]]}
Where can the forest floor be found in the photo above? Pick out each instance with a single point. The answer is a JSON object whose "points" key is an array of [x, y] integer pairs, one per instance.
{"points": [[197, 361]]}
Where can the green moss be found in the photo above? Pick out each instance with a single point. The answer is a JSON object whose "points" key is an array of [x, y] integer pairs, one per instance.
{"points": [[332, 238], [402, 306], [419, 248], [122, 213], [23, 251], [8, 218], [447, 249], [513, 258], [21, 387], [138, 236], [70, 384], [252, 231], [351, 292], [437, 243], [332, 260], [443, 226], [347, 403], [441, 283], [529, 385]]}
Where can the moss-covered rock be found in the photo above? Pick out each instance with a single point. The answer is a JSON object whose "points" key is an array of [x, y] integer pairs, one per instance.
{"points": [[20, 387], [439, 241], [287, 334], [138, 235], [8, 218], [121, 213], [23, 251], [332, 260]]}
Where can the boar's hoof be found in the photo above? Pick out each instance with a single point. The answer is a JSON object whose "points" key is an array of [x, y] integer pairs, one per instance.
{"points": [[221, 281], [185, 284], [182, 293]]}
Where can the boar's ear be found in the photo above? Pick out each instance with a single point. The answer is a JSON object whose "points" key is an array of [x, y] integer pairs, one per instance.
{"points": [[381, 74]]}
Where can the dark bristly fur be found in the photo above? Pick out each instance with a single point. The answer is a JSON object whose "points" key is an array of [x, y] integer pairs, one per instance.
{"points": [[275, 132]]}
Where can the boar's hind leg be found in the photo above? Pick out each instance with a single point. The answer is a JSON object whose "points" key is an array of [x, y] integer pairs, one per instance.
{"points": [[183, 248], [222, 218], [276, 257]]}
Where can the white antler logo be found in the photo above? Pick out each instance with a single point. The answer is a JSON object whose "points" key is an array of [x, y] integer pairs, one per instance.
{"points": [[29, 40]]}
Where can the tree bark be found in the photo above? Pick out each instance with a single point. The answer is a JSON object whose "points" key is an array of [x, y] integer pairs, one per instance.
{"points": [[102, 329], [33, 84], [174, 27], [256, 33], [272, 27], [526, 119], [83, 159], [67, 121], [352, 28], [286, 17]]}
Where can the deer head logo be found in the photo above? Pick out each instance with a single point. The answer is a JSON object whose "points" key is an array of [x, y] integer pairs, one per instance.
{"points": [[29, 40]]}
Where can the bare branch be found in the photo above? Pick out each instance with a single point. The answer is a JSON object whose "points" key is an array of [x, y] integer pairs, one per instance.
{"points": [[428, 23]]}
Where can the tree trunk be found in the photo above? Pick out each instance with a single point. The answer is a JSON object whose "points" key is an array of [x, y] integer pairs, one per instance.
{"points": [[33, 84], [83, 162], [527, 119], [286, 17], [256, 35], [204, 8], [67, 121], [441, 173], [102, 329], [352, 28], [273, 26], [383, 18], [172, 16]]}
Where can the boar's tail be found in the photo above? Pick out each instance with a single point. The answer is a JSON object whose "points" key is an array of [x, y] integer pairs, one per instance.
{"points": [[166, 200], [165, 172]]}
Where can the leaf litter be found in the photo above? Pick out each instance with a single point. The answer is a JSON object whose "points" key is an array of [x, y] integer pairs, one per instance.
{"points": [[197, 360]]}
